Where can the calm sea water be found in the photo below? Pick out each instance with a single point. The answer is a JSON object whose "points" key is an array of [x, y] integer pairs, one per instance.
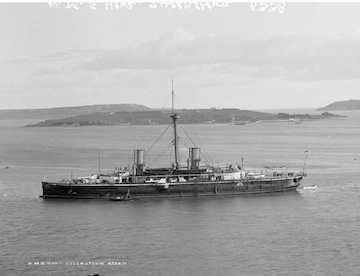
{"points": [[308, 232]]}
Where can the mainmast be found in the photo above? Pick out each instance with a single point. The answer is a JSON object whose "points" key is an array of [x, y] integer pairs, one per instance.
{"points": [[175, 117]]}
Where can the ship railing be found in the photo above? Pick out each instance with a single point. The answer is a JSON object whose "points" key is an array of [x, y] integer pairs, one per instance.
{"points": [[171, 178]]}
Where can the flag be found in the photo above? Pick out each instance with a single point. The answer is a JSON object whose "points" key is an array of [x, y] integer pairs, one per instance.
{"points": [[306, 151]]}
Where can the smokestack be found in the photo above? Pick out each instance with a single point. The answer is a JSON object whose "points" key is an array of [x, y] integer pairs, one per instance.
{"points": [[194, 158], [139, 161]]}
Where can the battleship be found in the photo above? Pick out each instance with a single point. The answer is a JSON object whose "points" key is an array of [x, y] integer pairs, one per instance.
{"points": [[190, 180]]}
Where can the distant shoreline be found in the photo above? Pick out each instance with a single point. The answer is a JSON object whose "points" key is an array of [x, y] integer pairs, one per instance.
{"points": [[198, 116], [131, 114]]}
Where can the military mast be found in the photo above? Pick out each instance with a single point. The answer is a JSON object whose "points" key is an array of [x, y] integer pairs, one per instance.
{"points": [[175, 117]]}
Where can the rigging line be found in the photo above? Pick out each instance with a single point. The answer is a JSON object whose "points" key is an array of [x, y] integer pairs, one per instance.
{"points": [[201, 145], [163, 107], [142, 140], [188, 135], [208, 162], [160, 155], [194, 144], [187, 146], [157, 139], [177, 100], [203, 155], [184, 143], [206, 155]]}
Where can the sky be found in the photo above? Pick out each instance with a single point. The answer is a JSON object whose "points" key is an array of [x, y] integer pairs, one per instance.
{"points": [[245, 56]]}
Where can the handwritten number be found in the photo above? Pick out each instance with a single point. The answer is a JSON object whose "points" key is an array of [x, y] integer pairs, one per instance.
{"points": [[263, 6], [92, 5], [281, 7], [253, 5], [53, 4], [272, 7]]}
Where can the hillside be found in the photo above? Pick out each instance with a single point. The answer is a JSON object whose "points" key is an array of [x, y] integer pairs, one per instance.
{"points": [[342, 105], [62, 112], [187, 116], [161, 117]]}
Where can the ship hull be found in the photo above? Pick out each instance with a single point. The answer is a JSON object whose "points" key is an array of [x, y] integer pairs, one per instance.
{"points": [[179, 189]]}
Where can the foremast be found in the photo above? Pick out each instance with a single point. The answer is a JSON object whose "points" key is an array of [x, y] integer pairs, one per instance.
{"points": [[174, 116]]}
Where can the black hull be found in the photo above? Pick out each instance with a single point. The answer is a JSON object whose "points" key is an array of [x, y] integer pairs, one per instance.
{"points": [[153, 190]]}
